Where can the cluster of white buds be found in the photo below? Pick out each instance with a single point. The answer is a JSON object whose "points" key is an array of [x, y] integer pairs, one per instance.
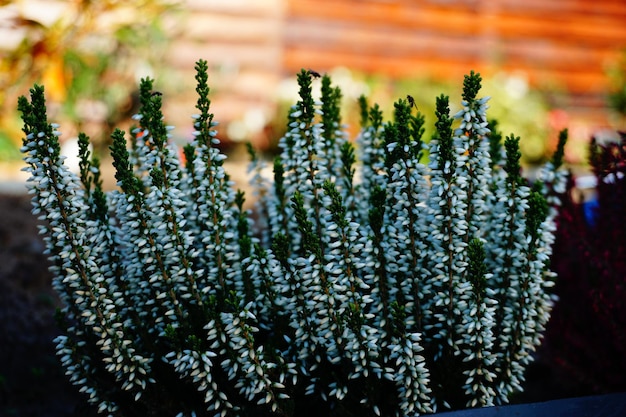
{"points": [[386, 286]]}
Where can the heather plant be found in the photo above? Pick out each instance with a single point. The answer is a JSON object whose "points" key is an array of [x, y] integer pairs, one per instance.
{"points": [[585, 338], [390, 275]]}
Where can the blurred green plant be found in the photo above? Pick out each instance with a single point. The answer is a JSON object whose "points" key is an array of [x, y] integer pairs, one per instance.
{"points": [[87, 53], [617, 95], [520, 109]]}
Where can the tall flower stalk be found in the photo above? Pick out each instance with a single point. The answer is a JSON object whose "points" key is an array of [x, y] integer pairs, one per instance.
{"points": [[375, 284]]}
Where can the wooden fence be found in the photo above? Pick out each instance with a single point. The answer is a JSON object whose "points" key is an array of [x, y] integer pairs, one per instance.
{"points": [[560, 45], [564, 47]]}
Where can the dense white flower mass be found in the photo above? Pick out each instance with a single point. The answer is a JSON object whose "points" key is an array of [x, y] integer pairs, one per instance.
{"points": [[369, 282]]}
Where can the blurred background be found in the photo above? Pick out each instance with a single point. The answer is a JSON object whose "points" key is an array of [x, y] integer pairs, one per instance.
{"points": [[547, 65]]}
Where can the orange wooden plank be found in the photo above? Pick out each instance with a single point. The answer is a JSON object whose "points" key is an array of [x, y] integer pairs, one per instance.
{"points": [[438, 67], [394, 66], [609, 28], [381, 41], [597, 7], [551, 53], [385, 14]]}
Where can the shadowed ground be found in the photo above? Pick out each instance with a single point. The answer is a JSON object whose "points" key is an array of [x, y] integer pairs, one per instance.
{"points": [[32, 383]]}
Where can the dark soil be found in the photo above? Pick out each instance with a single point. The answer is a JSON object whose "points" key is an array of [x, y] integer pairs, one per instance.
{"points": [[32, 382]]}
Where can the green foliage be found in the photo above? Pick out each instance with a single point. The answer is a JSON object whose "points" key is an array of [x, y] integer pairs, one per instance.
{"points": [[512, 165], [617, 94], [495, 144], [471, 86], [443, 134], [306, 104], [476, 267], [557, 158]]}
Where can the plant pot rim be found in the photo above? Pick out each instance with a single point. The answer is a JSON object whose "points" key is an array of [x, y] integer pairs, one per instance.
{"points": [[597, 406]]}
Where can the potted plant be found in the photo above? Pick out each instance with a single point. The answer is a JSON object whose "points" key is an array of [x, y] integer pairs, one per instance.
{"points": [[394, 277]]}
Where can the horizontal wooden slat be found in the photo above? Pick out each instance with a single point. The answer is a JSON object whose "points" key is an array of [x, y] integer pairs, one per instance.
{"points": [[569, 49], [563, 46], [377, 15], [463, 21], [239, 55], [436, 67], [559, 57], [237, 7], [604, 7], [385, 42], [214, 27], [393, 66]]}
